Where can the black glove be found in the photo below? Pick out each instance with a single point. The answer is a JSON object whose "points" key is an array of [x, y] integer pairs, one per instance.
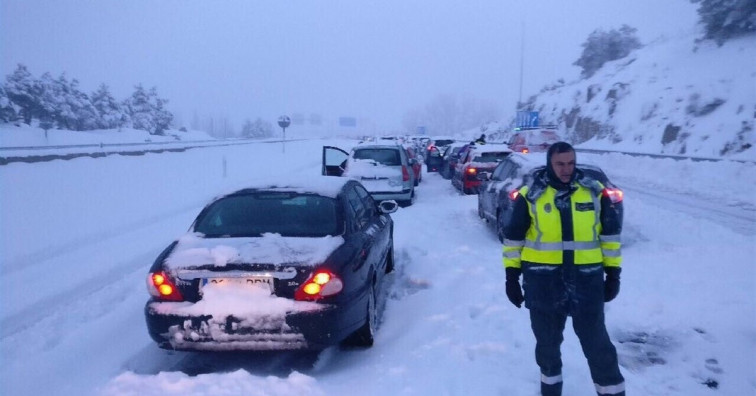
{"points": [[612, 283], [514, 291]]}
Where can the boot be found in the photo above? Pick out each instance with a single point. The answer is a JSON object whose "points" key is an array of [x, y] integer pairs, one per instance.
{"points": [[551, 390]]}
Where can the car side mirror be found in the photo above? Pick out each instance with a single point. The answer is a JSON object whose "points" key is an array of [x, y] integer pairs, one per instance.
{"points": [[387, 207]]}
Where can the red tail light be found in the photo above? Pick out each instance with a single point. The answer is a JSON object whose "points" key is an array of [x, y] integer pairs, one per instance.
{"points": [[615, 194], [525, 150], [322, 283], [472, 171], [405, 173], [513, 195], [162, 287]]}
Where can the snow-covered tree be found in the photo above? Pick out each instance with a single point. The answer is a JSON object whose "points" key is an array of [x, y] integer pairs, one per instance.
{"points": [[147, 111], [20, 89], [110, 114], [74, 108], [602, 47], [162, 117], [139, 109], [257, 129], [725, 19]]}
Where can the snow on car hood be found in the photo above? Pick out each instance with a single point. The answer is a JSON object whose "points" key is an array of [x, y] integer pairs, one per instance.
{"points": [[194, 250]]}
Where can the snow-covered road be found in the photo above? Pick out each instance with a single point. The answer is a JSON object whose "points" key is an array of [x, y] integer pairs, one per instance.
{"points": [[78, 236]]}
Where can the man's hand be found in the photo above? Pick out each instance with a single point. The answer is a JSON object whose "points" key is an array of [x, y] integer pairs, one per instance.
{"points": [[514, 291], [611, 283]]}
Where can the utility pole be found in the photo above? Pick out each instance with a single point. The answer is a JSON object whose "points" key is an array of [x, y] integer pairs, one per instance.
{"points": [[522, 58]]}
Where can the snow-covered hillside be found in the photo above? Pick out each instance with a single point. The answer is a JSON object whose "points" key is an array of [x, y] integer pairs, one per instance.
{"points": [[673, 96]]}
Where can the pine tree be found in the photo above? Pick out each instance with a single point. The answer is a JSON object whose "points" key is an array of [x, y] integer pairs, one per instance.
{"points": [[74, 109], [109, 112], [20, 88], [147, 111], [162, 117], [726, 19], [139, 110], [48, 98]]}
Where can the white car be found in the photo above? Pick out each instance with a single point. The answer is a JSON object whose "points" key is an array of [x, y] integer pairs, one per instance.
{"points": [[384, 169]]}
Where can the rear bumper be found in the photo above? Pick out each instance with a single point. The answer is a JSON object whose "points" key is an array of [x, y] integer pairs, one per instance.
{"points": [[313, 329]]}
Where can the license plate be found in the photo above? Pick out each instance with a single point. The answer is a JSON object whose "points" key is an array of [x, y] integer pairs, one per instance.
{"points": [[265, 282]]}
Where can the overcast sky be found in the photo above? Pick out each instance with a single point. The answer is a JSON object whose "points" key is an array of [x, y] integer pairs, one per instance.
{"points": [[368, 59]]}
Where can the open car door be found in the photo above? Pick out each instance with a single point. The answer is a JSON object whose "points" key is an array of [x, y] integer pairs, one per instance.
{"points": [[334, 161]]}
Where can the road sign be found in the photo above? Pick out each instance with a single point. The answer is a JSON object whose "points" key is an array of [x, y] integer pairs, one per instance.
{"points": [[284, 121], [527, 119]]}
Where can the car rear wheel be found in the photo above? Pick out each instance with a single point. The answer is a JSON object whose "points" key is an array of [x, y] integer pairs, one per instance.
{"points": [[408, 202], [365, 335]]}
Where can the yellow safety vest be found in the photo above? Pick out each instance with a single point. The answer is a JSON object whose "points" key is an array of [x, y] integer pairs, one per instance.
{"points": [[543, 242]]}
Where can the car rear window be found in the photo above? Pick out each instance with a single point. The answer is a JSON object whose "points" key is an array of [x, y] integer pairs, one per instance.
{"points": [[288, 214], [389, 157], [443, 142]]}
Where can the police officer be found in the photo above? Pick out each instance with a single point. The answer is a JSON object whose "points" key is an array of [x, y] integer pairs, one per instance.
{"points": [[564, 237]]}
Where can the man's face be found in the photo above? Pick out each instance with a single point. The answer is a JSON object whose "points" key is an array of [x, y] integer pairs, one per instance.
{"points": [[563, 165]]}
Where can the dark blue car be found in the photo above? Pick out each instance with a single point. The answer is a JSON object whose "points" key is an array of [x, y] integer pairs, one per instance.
{"points": [[276, 266]]}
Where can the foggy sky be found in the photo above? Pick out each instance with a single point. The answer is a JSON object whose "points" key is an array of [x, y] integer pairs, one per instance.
{"points": [[367, 59]]}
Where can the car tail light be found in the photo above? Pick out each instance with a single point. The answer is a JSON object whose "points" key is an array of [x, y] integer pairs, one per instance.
{"points": [[471, 171], [162, 287], [405, 173], [525, 150], [513, 195], [321, 283], [615, 194]]}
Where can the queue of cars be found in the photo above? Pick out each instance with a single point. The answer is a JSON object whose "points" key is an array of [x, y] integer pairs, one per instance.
{"points": [[295, 264]]}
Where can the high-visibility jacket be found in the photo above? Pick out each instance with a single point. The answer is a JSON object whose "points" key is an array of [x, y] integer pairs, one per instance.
{"points": [[544, 242]]}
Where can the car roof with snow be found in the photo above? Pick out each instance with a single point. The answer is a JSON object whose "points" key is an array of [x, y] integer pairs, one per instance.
{"points": [[326, 186]]}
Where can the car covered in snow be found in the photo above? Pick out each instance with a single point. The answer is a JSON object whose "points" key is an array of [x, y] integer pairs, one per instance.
{"points": [[386, 170], [497, 194], [282, 265]]}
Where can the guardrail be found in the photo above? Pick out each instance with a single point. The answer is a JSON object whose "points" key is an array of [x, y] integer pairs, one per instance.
{"points": [[183, 146], [669, 156], [106, 149]]}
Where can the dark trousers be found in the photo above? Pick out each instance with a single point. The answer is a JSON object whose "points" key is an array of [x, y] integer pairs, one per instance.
{"points": [[548, 326]]}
